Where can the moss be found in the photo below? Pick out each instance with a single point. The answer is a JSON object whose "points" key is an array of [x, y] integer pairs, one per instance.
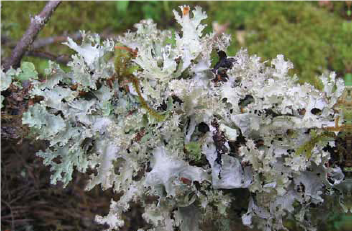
{"points": [[310, 36]]}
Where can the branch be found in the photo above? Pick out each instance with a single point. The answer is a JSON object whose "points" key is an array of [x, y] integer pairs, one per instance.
{"points": [[63, 59], [39, 43], [37, 23]]}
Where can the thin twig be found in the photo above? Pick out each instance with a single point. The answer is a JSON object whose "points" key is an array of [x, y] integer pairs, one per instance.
{"points": [[39, 43], [63, 59], [37, 23], [35, 48], [43, 42]]}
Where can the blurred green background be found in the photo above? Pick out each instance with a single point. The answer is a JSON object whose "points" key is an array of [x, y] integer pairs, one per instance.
{"points": [[315, 36]]}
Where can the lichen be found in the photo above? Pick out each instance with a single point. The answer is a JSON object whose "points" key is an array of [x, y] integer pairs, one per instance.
{"points": [[239, 124]]}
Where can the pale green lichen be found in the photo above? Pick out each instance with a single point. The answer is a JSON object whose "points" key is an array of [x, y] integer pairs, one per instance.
{"points": [[1, 100], [26, 72], [95, 118]]}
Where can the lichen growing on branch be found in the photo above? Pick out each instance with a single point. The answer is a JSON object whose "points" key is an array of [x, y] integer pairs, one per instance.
{"points": [[159, 121]]}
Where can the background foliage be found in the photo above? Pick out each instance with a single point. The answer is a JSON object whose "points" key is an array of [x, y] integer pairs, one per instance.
{"points": [[314, 36]]}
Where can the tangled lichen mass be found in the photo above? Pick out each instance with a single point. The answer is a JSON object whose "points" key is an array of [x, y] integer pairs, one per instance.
{"points": [[162, 126]]}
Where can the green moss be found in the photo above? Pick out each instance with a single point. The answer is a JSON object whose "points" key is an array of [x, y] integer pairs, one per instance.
{"points": [[310, 36], [194, 150]]}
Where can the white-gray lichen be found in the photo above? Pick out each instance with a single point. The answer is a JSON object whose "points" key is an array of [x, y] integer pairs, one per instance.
{"points": [[95, 121]]}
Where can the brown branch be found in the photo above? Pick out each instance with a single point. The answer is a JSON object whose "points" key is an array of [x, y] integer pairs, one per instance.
{"points": [[39, 43], [63, 59], [43, 42], [35, 51], [37, 23]]}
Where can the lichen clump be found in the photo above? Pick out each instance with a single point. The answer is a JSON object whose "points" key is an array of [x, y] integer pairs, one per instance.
{"points": [[172, 127]]}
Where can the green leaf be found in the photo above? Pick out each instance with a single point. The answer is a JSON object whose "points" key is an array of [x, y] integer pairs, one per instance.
{"points": [[28, 72]]}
